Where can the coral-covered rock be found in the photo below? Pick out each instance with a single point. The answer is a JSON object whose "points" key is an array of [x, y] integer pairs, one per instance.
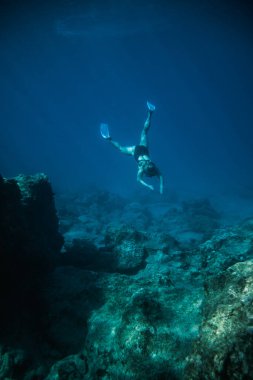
{"points": [[227, 247], [11, 361], [142, 331], [224, 348], [126, 245], [72, 367]]}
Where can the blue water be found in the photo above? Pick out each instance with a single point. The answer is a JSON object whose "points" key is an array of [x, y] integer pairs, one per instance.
{"points": [[66, 67]]}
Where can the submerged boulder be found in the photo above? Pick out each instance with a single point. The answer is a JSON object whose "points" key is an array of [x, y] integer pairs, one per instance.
{"points": [[126, 246], [29, 248], [29, 239], [28, 221], [225, 345], [227, 247]]}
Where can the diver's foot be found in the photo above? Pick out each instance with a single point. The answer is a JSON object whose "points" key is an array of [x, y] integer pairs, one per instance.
{"points": [[151, 107], [104, 130]]}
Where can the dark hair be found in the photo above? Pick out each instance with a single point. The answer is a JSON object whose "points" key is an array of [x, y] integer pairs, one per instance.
{"points": [[151, 170]]}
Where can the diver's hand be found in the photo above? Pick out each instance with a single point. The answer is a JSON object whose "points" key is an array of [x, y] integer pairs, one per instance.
{"points": [[139, 179]]}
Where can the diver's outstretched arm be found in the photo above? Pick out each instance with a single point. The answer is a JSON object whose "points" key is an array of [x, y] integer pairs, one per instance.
{"points": [[140, 179], [161, 183], [124, 149]]}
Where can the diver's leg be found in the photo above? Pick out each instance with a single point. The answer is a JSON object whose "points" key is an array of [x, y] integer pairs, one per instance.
{"points": [[124, 149], [144, 140]]}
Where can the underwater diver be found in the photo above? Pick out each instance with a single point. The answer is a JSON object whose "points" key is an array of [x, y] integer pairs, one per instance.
{"points": [[140, 152]]}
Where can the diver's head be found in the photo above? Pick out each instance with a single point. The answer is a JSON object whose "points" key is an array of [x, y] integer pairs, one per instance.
{"points": [[150, 169]]}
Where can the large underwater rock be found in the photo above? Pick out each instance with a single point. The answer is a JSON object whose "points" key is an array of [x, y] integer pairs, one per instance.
{"points": [[126, 246], [224, 349], [29, 238], [30, 246], [226, 247], [28, 221]]}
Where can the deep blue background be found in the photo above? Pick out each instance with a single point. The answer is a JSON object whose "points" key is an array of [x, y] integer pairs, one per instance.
{"points": [[67, 66]]}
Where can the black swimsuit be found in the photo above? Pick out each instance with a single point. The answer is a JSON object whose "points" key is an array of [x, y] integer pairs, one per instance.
{"points": [[140, 150], [148, 166]]}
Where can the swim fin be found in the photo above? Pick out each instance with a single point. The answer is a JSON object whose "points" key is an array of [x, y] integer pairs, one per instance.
{"points": [[151, 107], [104, 130]]}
